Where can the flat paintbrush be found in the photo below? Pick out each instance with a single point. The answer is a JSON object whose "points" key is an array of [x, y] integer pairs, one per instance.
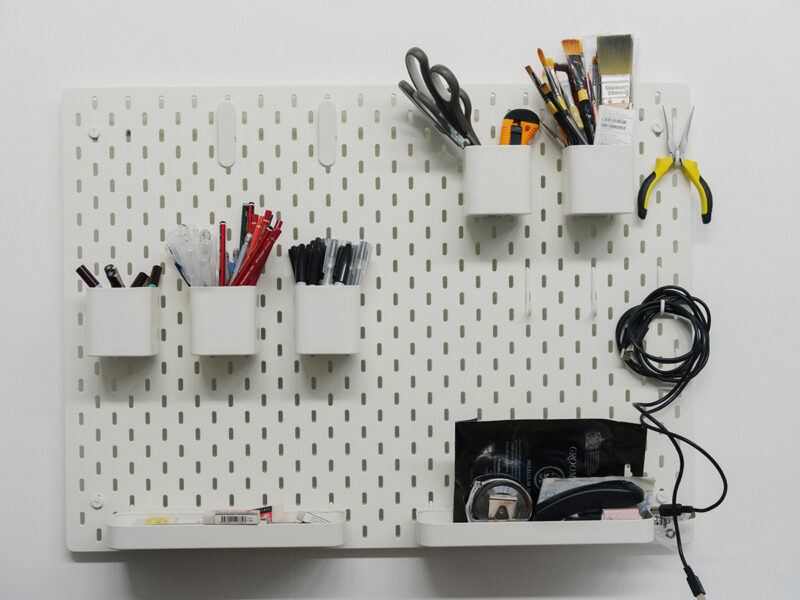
{"points": [[615, 59]]}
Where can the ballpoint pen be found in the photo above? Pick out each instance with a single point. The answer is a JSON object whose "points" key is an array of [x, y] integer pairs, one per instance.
{"points": [[355, 264], [223, 256], [342, 267], [331, 254], [242, 253], [302, 265]]}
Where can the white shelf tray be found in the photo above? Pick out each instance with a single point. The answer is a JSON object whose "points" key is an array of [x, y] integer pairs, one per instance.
{"points": [[435, 527], [126, 531]]}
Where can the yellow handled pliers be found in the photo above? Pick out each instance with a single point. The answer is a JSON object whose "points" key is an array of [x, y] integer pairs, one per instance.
{"points": [[689, 167]]}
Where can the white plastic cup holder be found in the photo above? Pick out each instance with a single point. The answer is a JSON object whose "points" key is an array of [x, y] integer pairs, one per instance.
{"points": [[122, 321], [222, 320], [598, 180], [327, 319], [497, 180]]}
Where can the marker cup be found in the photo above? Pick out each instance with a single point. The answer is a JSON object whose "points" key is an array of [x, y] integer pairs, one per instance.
{"points": [[598, 180], [327, 319], [497, 180], [122, 321], [223, 320]]}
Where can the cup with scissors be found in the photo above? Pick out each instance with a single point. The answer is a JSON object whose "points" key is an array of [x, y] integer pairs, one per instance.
{"points": [[435, 91]]}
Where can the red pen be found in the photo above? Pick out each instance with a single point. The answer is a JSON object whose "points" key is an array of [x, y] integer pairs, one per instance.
{"points": [[223, 256]]}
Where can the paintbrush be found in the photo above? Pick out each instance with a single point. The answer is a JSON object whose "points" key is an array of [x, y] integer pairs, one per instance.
{"points": [[615, 59], [548, 73], [567, 89], [562, 117], [573, 49], [584, 103], [547, 64]]}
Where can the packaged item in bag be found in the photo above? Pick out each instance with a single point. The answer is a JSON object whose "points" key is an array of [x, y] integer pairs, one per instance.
{"points": [[500, 465]]}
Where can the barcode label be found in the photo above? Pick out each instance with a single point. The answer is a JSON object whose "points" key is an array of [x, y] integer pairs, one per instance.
{"points": [[614, 123], [243, 518], [614, 126]]}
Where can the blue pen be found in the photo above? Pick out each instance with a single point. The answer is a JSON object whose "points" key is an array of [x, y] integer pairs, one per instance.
{"points": [[178, 266]]}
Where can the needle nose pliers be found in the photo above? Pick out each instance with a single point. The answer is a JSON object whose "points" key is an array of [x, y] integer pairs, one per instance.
{"points": [[689, 167]]}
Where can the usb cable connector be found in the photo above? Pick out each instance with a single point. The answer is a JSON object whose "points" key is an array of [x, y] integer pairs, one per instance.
{"points": [[694, 584]]}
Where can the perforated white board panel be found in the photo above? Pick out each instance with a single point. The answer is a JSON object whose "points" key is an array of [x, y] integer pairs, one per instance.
{"points": [[445, 332]]}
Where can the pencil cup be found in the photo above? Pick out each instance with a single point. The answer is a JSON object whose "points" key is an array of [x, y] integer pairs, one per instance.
{"points": [[223, 320], [122, 321], [327, 319], [497, 180], [598, 180]]}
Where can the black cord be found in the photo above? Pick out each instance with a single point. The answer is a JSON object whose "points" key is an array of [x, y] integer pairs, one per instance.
{"points": [[631, 331]]}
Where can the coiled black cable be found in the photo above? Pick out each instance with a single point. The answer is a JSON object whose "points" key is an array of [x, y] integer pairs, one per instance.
{"points": [[631, 331]]}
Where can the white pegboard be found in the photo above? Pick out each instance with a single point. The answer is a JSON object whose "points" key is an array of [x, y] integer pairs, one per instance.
{"points": [[445, 333]]}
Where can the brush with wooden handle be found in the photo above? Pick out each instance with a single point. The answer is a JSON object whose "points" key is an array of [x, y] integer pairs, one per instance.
{"points": [[574, 51], [548, 65], [568, 90], [570, 130]]}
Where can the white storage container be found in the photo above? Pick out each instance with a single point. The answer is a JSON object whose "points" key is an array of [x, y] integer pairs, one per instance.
{"points": [[598, 180], [222, 320], [122, 321], [327, 319], [497, 180]]}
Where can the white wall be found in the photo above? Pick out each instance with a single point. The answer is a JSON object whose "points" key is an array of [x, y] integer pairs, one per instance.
{"points": [[746, 267]]}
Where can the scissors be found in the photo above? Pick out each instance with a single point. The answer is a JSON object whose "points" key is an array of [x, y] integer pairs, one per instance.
{"points": [[435, 91]]}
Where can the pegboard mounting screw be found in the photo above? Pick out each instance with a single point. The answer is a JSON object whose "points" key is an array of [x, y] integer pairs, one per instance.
{"points": [[94, 132], [658, 127], [96, 502]]}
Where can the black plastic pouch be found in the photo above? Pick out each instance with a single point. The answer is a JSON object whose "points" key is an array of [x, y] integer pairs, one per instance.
{"points": [[531, 450]]}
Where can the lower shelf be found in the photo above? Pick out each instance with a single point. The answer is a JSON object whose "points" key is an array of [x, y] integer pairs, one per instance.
{"points": [[127, 531], [435, 527]]}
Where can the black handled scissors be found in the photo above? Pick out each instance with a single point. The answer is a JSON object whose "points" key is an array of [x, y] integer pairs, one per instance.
{"points": [[436, 92]]}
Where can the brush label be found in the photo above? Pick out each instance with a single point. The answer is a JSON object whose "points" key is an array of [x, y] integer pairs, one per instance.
{"points": [[615, 89], [614, 126]]}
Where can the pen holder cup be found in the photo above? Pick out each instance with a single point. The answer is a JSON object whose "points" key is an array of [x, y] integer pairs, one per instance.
{"points": [[223, 320], [327, 319], [122, 321], [497, 180], [598, 180]]}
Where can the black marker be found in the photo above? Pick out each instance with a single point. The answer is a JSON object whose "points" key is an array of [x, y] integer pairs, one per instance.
{"points": [[140, 281], [155, 277], [113, 277], [87, 277]]}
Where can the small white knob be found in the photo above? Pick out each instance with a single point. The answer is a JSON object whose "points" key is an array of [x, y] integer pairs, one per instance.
{"points": [[94, 132], [96, 501]]}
